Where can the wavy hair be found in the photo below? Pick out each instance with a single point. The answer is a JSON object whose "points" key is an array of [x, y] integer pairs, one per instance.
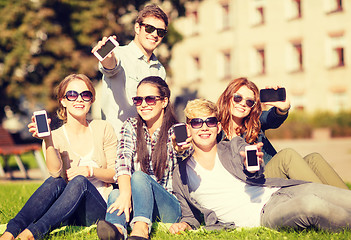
{"points": [[251, 123], [152, 10], [61, 91], [159, 153]]}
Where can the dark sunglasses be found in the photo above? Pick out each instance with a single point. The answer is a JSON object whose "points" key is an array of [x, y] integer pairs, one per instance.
{"points": [[150, 29], [72, 95], [150, 100], [248, 101], [198, 122]]}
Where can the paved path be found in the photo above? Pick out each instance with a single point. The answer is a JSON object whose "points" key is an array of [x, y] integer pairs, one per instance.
{"points": [[336, 151]]}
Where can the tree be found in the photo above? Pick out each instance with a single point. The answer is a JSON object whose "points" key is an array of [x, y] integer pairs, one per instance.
{"points": [[42, 41]]}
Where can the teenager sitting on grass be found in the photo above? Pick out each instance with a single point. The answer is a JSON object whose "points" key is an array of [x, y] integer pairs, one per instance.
{"points": [[80, 157], [240, 114], [144, 166], [214, 182]]}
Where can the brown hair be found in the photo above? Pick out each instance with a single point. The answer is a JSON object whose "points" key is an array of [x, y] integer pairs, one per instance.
{"points": [[61, 91], [159, 154], [251, 124], [152, 10]]}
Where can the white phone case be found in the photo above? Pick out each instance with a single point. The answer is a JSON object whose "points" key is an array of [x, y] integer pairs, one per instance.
{"points": [[44, 121], [255, 167], [115, 44]]}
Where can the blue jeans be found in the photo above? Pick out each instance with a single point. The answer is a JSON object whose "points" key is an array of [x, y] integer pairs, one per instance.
{"points": [[151, 202], [57, 203], [308, 205]]}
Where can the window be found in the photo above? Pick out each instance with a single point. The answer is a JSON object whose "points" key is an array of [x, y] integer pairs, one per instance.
{"points": [[194, 69], [258, 12], [331, 6], [335, 56], [294, 57], [225, 16], [293, 9], [338, 100], [194, 22], [258, 62], [224, 65]]}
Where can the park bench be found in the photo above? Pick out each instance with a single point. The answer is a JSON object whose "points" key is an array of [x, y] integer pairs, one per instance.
{"points": [[9, 148]]}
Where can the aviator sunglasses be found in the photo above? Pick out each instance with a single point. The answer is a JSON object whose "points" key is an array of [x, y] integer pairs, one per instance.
{"points": [[150, 29], [248, 101], [198, 122], [150, 100], [73, 95]]}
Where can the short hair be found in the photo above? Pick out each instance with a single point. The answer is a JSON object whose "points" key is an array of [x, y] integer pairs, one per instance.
{"points": [[198, 107], [152, 10], [61, 91]]}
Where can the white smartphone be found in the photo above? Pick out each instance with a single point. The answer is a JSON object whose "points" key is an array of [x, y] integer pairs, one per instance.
{"points": [[252, 162], [41, 120], [181, 133], [106, 49]]}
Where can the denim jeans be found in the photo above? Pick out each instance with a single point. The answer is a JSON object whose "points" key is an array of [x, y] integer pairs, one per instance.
{"points": [[308, 205], [57, 203], [151, 202]]}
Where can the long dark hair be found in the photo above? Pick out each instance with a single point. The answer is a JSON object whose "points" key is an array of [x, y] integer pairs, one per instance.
{"points": [[159, 153], [251, 123]]}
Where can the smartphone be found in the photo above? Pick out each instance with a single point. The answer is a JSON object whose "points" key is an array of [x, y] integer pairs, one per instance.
{"points": [[41, 120], [252, 162], [181, 133], [272, 95], [106, 49]]}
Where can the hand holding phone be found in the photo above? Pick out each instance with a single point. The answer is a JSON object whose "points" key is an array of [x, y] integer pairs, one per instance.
{"points": [[41, 121], [106, 49], [252, 160], [180, 133], [272, 95]]}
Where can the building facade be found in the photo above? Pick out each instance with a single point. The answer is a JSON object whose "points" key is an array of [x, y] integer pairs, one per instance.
{"points": [[302, 45]]}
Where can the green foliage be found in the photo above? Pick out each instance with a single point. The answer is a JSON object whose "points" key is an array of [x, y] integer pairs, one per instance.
{"points": [[44, 41], [300, 125]]}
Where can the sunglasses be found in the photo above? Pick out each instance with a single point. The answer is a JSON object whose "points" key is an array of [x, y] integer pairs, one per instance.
{"points": [[73, 95], [198, 122], [150, 100], [248, 101], [150, 29]]}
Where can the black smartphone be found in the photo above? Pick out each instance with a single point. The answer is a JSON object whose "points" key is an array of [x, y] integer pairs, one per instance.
{"points": [[105, 50], [181, 133], [41, 121], [252, 162], [272, 95]]}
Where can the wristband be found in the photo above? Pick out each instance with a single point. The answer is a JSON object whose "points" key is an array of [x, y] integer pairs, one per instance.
{"points": [[91, 171], [287, 110]]}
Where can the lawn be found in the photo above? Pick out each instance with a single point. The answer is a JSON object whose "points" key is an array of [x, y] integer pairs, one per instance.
{"points": [[13, 196]]}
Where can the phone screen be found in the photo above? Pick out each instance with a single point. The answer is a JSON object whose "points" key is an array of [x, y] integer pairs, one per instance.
{"points": [[41, 123], [180, 133], [106, 49], [272, 95], [251, 158]]}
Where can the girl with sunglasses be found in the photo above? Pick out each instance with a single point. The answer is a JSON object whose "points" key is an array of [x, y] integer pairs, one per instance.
{"points": [[144, 166], [80, 157], [241, 114]]}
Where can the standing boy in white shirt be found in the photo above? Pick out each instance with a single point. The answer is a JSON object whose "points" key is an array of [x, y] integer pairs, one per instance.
{"points": [[127, 65]]}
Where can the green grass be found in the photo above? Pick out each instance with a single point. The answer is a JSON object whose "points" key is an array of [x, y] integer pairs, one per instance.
{"points": [[13, 196]]}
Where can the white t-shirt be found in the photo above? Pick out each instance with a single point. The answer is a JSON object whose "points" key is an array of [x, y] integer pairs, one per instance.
{"points": [[231, 199]]}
